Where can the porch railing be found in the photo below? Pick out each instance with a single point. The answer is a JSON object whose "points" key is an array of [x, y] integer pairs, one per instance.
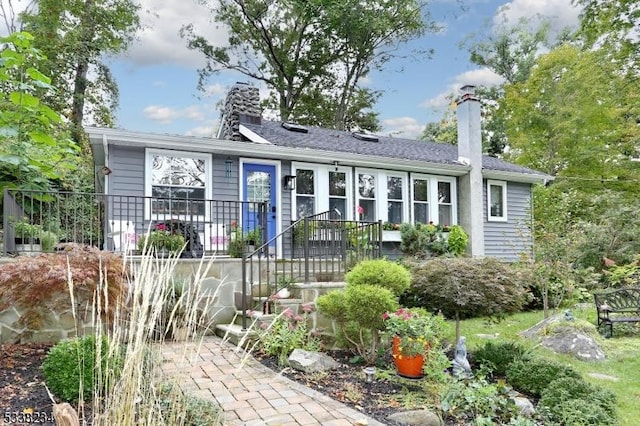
{"points": [[322, 245], [116, 222]]}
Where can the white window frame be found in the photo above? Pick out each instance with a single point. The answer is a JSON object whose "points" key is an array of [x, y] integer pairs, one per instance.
{"points": [[382, 212], [148, 182], [432, 197], [321, 187], [503, 186]]}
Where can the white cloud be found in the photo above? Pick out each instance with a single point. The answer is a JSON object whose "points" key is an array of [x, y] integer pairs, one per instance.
{"points": [[403, 127], [561, 13], [479, 77], [215, 90], [159, 42], [161, 114], [168, 115], [203, 131]]}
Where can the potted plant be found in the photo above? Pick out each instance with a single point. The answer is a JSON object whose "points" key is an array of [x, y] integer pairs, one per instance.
{"points": [[162, 241], [27, 235], [413, 333], [391, 232], [254, 237]]}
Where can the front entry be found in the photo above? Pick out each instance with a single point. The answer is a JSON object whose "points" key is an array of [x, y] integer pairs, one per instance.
{"points": [[260, 185]]}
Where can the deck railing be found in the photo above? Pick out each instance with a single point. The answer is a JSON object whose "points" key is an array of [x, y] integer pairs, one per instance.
{"points": [[116, 222]]}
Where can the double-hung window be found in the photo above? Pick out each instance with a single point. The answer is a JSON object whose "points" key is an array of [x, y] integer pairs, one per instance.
{"points": [[433, 199], [178, 183], [382, 195], [496, 201], [395, 198], [305, 192], [320, 187], [366, 196]]}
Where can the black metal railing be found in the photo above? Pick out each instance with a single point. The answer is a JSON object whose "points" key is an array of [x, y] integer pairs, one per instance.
{"points": [[117, 222], [321, 245]]}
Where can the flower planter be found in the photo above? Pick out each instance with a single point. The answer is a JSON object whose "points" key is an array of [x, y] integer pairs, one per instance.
{"points": [[410, 367], [391, 236]]}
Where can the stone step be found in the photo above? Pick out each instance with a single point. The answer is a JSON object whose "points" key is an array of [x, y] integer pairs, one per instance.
{"points": [[234, 333]]}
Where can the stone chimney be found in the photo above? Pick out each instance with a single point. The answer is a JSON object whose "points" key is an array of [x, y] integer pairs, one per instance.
{"points": [[471, 191], [241, 106]]}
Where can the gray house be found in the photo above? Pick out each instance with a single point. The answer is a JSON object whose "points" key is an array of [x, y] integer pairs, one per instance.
{"points": [[299, 170]]}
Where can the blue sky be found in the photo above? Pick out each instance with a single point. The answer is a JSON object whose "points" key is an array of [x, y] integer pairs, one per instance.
{"points": [[158, 77]]}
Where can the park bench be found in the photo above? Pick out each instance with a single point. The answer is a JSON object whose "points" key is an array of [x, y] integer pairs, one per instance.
{"points": [[617, 305]]}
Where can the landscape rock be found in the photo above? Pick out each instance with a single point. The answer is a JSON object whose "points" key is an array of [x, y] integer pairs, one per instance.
{"points": [[573, 342], [525, 406], [311, 362], [416, 418]]}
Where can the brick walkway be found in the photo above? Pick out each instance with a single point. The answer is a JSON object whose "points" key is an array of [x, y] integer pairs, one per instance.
{"points": [[252, 395]]}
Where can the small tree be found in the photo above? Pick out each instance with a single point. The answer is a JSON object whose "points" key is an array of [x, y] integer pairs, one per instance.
{"points": [[464, 287]]}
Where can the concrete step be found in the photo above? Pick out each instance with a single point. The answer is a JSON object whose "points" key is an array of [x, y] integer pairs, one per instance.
{"points": [[235, 333]]}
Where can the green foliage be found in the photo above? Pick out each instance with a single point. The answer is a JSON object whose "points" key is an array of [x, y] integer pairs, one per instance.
{"points": [[26, 230], [71, 366], [572, 401], [380, 272], [419, 331], [237, 247], [358, 311], [423, 240], [48, 241], [532, 376], [457, 241], [476, 401], [161, 239], [287, 332], [465, 287], [35, 148], [624, 275], [497, 356]]}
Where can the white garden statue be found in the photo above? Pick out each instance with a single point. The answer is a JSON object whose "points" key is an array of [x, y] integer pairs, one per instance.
{"points": [[461, 367]]}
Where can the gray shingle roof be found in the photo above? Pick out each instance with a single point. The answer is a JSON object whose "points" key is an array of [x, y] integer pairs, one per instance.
{"points": [[390, 147]]}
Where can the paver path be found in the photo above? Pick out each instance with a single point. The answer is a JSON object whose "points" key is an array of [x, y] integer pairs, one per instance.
{"points": [[252, 395]]}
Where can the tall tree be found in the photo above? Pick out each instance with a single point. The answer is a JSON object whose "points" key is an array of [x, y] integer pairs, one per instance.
{"points": [[75, 36], [305, 49]]}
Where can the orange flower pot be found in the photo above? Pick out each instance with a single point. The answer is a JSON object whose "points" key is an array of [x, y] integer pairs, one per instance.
{"points": [[407, 366]]}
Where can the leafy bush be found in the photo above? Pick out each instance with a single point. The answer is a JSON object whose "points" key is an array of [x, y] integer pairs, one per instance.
{"points": [[457, 241], [422, 240], [287, 332], [358, 312], [71, 366], [178, 407], [475, 401], [380, 272], [497, 356], [48, 241], [532, 376], [572, 401]]}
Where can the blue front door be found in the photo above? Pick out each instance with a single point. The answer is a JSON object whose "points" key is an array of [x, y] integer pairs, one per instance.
{"points": [[260, 185]]}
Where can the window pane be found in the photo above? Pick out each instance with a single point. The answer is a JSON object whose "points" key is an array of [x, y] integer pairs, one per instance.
{"points": [[304, 182], [178, 200], [394, 214], [444, 192], [304, 206], [187, 171], [444, 214], [161, 171], [497, 205], [338, 203], [258, 186], [338, 184], [420, 190], [369, 210], [394, 188], [367, 185], [421, 213]]}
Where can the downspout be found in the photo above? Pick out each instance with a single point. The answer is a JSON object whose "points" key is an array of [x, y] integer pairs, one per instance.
{"points": [[105, 148]]}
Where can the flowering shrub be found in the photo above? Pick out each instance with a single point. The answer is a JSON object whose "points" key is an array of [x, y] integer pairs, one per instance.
{"points": [[390, 226], [287, 332], [418, 330]]}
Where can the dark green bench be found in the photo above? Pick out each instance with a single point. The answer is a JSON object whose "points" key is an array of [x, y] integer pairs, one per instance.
{"points": [[617, 305]]}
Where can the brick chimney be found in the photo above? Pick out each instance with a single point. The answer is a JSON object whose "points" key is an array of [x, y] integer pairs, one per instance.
{"points": [[471, 192], [242, 105]]}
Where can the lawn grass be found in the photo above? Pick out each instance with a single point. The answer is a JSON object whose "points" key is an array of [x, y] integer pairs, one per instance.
{"points": [[622, 355]]}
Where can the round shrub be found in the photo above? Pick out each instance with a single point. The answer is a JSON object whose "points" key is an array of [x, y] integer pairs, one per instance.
{"points": [[574, 402], [382, 273], [497, 356], [532, 376], [73, 361], [367, 304]]}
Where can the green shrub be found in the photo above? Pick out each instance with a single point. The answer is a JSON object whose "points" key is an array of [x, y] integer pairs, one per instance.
{"points": [[48, 241], [382, 273], [574, 402], [532, 376], [71, 364], [457, 241], [178, 407], [287, 332], [497, 356], [358, 313]]}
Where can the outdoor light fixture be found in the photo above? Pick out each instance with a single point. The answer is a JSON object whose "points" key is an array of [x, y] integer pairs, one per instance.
{"points": [[228, 163], [289, 182], [335, 163], [369, 372]]}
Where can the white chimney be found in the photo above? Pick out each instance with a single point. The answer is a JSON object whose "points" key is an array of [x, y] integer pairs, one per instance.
{"points": [[470, 153]]}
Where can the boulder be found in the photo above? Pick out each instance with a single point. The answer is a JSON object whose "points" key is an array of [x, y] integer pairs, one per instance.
{"points": [[574, 342], [311, 362], [416, 418]]}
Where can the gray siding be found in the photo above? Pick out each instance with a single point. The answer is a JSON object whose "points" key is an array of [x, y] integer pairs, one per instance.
{"points": [[508, 240], [127, 165]]}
